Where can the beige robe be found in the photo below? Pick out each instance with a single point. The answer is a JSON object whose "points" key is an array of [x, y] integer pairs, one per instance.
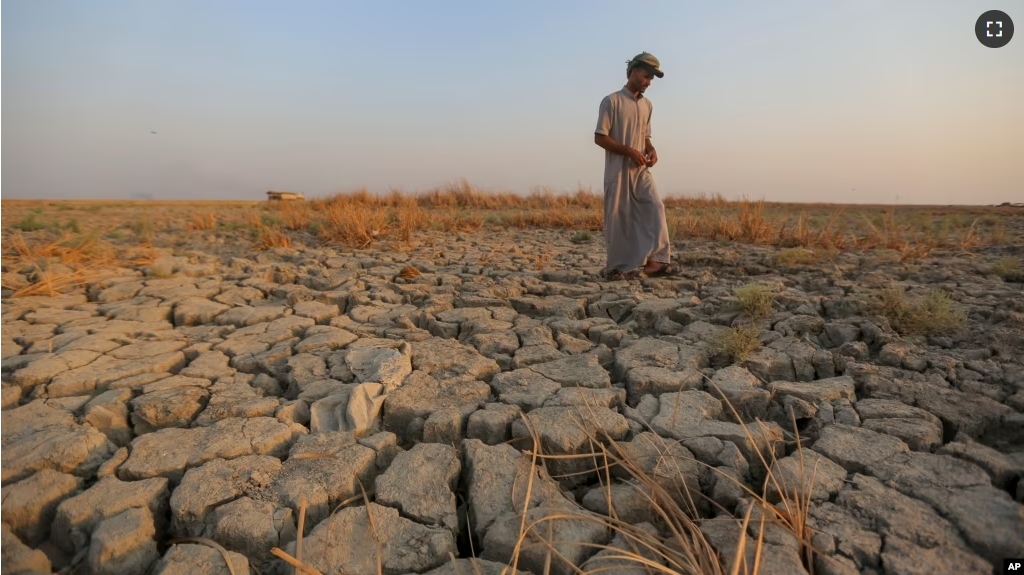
{"points": [[635, 230]]}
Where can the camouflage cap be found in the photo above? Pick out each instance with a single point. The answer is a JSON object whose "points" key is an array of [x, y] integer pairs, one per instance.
{"points": [[646, 59]]}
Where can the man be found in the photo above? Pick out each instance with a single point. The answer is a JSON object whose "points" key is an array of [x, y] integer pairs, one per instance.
{"points": [[635, 231]]}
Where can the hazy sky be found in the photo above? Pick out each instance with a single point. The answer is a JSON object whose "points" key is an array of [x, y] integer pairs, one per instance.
{"points": [[789, 101]]}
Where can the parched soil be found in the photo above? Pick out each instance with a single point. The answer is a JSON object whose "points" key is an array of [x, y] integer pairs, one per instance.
{"points": [[169, 375]]}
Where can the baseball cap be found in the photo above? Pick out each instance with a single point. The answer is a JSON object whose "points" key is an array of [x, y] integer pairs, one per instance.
{"points": [[647, 59]]}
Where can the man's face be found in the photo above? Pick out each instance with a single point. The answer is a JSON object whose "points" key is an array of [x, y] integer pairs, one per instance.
{"points": [[640, 79]]}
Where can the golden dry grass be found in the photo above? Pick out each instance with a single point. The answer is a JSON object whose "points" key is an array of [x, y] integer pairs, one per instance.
{"points": [[296, 215], [269, 237], [53, 265], [359, 219], [203, 221], [912, 231], [681, 548]]}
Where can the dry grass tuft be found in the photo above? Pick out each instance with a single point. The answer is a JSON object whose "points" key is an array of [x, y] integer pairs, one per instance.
{"points": [[738, 343], [678, 546], [268, 237], [202, 221], [354, 225], [66, 249], [1008, 268], [911, 231], [790, 257], [459, 222], [934, 313], [52, 266], [295, 215], [409, 218], [755, 301], [794, 507]]}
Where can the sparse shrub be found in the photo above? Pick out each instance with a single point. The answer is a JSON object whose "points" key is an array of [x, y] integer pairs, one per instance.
{"points": [[739, 342], [232, 226], [64, 263], [1009, 269], [202, 221], [315, 227], [353, 225], [29, 223], [295, 215], [934, 313], [271, 220], [409, 218], [796, 256], [271, 237], [754, 300], [582, 237]]}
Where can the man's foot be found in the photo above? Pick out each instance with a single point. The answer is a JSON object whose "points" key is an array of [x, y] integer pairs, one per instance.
{"points": [[620, 275], [659, 269]]}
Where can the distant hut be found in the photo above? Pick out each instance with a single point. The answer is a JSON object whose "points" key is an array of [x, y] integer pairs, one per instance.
{"points": [[273, 196]]}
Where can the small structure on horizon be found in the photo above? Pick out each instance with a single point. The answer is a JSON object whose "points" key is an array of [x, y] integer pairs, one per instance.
{"points": [[274, 196]]}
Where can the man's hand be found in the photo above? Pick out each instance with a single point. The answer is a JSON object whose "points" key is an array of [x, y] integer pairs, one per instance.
{"points": [[608, 143], [652, 157], [637, 156]]}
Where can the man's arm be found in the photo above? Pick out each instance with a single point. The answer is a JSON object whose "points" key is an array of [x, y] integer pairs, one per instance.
{"points": [[609, 143], [603, 139]]}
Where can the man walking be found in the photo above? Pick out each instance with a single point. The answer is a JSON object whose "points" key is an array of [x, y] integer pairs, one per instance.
{"points": [[635, 230]]}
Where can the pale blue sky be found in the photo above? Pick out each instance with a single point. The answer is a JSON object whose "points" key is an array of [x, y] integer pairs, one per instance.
{"points": [[789, 101]]}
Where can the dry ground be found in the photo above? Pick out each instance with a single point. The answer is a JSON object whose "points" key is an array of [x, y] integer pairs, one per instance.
{"points": [[929, 297]]}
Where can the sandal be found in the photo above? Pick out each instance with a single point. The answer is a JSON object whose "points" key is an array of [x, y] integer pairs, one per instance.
{"points": [[663, 271]]}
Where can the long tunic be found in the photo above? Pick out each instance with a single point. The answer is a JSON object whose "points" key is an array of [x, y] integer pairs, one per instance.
{"points": [[635, 230]]}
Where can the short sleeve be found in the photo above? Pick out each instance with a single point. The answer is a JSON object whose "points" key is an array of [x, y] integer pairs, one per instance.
{"points": [[604, 117]]}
